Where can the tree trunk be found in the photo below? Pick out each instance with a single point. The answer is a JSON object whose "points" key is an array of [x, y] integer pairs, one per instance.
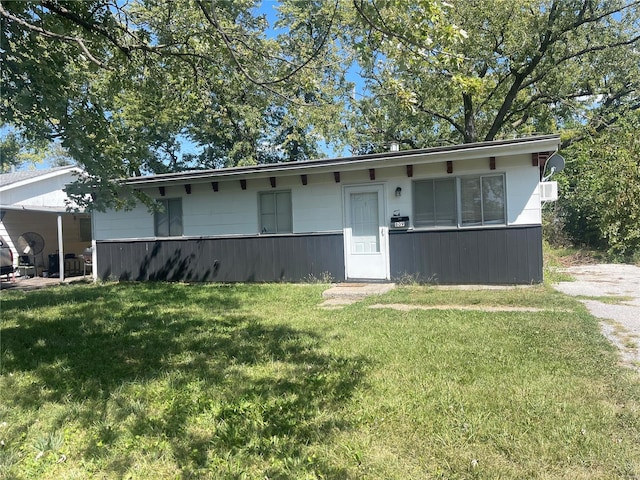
{"points": [[470, 134]]}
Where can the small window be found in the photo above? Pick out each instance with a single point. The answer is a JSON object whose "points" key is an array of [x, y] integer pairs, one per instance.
{"points": [[168, 218], [85, 229], [275, 212]]}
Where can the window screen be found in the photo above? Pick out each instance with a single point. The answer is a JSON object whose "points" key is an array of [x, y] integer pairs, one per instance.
{"points": [[493, 199], [482, 200]]}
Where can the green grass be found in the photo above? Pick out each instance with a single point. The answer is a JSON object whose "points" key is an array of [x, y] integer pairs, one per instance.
{"points": [[257, 381]]}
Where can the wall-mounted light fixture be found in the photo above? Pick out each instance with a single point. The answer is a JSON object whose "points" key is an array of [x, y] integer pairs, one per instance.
{"points": [[398, 192]]}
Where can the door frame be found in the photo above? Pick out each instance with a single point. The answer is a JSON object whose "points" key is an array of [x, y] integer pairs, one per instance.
{"points": [[383, 230]]}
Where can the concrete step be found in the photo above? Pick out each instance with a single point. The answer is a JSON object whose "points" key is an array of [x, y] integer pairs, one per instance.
{"points": [[357, 290]]}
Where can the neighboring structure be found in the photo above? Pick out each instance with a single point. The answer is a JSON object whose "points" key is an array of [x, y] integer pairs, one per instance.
{"points": [[36, 225], [465, 214]]}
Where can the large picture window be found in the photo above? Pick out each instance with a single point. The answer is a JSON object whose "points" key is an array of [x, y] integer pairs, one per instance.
{"points": [[275, 212], [464, 201], [168, 218]]}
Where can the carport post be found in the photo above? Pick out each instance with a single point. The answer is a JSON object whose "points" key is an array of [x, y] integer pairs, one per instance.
{"points": [[60, 248]]}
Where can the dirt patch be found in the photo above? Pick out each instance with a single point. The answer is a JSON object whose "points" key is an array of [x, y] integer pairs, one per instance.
{"points": [[480, 308], [578, 258]]}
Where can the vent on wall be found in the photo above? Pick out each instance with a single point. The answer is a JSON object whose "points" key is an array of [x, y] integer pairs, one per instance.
{"points": [[548, 191]]}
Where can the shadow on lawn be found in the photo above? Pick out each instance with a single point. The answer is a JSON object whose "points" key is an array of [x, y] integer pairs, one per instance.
{"points": [[230, 385]]}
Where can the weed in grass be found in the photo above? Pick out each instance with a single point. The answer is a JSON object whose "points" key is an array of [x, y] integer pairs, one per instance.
{"points": [[553, 263], [631, 343], [414, 279], [323, 278], [407, 279], [51, 442], [8, 460], [622, 335], [609, 299]]}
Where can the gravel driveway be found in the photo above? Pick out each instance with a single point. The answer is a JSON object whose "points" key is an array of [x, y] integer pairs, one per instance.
{"points": [[620, 319]]}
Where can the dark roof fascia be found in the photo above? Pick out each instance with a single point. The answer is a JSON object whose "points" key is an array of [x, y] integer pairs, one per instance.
{"points": [[389, 159]]}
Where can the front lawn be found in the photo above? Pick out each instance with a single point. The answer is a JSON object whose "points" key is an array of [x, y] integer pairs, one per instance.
{"points": [[214, 381]]}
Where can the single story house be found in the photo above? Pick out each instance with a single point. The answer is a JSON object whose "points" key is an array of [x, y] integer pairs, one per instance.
{"points": [[37, 224], [464, 214]]}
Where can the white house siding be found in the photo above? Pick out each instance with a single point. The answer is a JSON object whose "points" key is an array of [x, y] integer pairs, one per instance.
{"points": [[317, 206], [230, 210], [136, 223], [47, 192], [523, 197]]}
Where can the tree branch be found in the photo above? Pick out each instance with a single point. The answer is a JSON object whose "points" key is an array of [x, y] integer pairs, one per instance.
{"points": [[213, 20], [444, 117], [599, 127], [88, 26], [48, 34]]}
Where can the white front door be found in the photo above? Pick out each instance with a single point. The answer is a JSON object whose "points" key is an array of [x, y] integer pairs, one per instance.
{"points": [[365, 233]]}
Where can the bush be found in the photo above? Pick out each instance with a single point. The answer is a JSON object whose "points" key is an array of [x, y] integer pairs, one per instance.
{"points": [[599, 204]]}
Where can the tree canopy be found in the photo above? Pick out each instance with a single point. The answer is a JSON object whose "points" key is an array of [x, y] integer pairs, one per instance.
{"points": [[518, 67], [16, 152], [126, 85], [149, 86]]}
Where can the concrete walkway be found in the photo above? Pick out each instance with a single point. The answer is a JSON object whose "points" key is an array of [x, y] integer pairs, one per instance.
{"points": [[342, 294], [36, 283]]}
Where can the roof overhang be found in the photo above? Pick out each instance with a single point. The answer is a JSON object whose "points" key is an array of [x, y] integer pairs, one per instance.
{"points": [[470, 151], [35, 208], [40, 178]]}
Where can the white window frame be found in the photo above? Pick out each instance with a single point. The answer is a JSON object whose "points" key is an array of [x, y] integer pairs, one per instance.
{"points": [[170, 213], [275, 193], [458, 201]]}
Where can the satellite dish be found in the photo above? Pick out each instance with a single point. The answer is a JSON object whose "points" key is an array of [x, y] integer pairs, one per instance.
{"points": [[554, 164]]}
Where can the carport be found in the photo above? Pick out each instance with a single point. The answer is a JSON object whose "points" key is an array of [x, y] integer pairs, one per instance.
{"points": [[44, 239]]}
